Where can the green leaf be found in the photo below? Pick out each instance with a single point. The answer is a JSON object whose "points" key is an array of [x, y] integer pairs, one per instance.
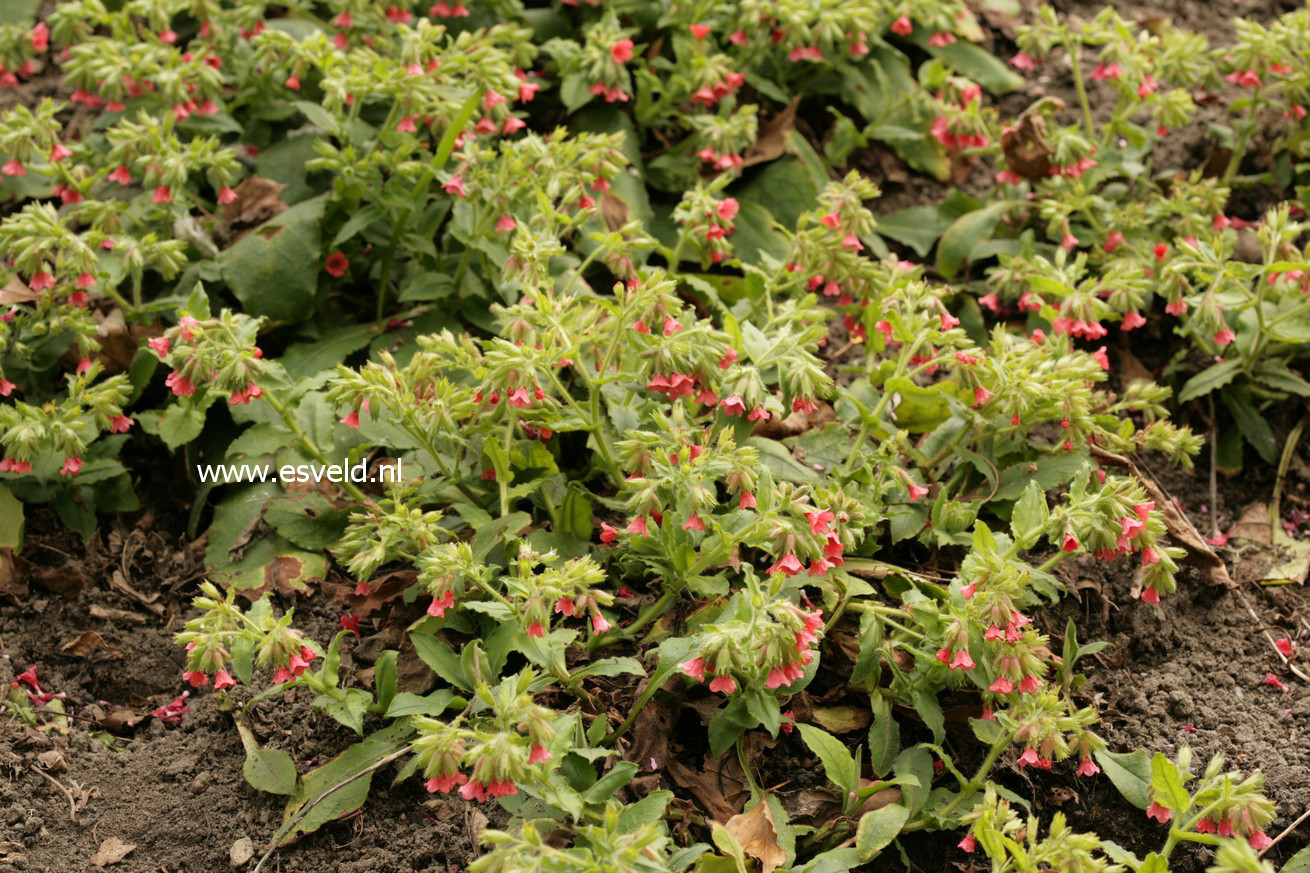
{"points": [[976, 63], [918, 227], [1212, 377], [349, 770], [11, 520], [441, 658], [784, 188], [274, 269], [349, 710], [435, 703], [385, 678], [359, 222], [925, 703], [1130, 772], [965, 234], [270, 770], [833, 754], [1281, 378], [781, 462], [1251, 423], [1048, 472], [878, 828], [1167, 785], [618, 776], [884, 736], [1030, 515], [649, 810], [302, 360]]}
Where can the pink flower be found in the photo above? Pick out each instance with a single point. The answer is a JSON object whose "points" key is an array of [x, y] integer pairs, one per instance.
{"points": [[949, 321], [723, 683], [196, 678], [455, 185], [1023, 61], [72, 466], [788, 565], [519, 399], [506, 224], [608, 534], [599, 624], [729, 358], [916, 491], [981, 395], [902, 26], [747, 501], [1159, 813], [1286, 646], [621, 51], [694, 523], [1259, 841], [733, 405], [700, 31], [351, 420], [59, 152], [226, 196], [1087, 768], [120, 424], [536, 630], [444, 784], [671, 325], [1149, 556], [819, 521], [13, 168], [938, 40], [1002, 685], [1132, 320], [961, 661], [474, 791], [1219, 540], [223, 679], [1224, 336], [1131, 527], [693, 669], [538, 755], [162, 195], [1070, 543], [1271, 679], [1150, 595], [439, 605], [1029, 758], [638, 526], [6, 387], [968, 844]]}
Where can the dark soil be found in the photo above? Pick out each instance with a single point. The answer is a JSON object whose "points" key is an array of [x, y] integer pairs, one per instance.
{"points": [[177, 793]]}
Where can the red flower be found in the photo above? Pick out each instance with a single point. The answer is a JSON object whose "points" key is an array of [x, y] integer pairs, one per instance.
{"points": [[693, 669], [902, 26], [444, 784], [72, 466], [223, 679], [608, 534], [621, 51], [723, 682], [1286, 646], [1271, 679], [337, 264], [747, 500], [1159, 813], [196, 678], [1070, 543], [455, 185], [439, 605], [162, 195], [788, 565], [700, 31], [968, 844], [694, 523]]}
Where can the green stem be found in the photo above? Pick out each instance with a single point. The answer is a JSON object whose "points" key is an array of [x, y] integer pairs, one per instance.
{"points": [[1074, 57]]}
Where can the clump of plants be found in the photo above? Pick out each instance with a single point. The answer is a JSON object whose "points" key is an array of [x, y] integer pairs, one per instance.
{"points": [[673, 416]]}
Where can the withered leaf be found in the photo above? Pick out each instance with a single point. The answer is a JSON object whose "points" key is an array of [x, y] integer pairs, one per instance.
{"points": [[111, 851], [1027, 150], [772, 141], [755, 832], [704, 787], [16, 291], [87, 643]]}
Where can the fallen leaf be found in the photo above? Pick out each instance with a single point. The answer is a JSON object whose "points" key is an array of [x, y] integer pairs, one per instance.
{"points": [[118, 582], [65, 581], [1027, 150], [111, 851], [87, 643], [614, 211], [381, 591], [755, 832], [703, 786], [257, 200], [772, 141], [796, 423], [110, 614], [12, 581], [16, 291], [1253, 524], [878, 799], [120, 720]]}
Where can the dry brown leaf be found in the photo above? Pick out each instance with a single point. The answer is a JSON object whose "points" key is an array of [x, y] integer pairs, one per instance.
{"points": [[755, 832], [12, 581], [1253, 524], [381, 591], [16, 291], [111, 851], [1027, 150], [110, 614], [257, 200], [878, 799], [1180, 529], [87, 643], [614, 210], [704, 787], [772, 141], [118, 582], [796, 423], [120, 720]]}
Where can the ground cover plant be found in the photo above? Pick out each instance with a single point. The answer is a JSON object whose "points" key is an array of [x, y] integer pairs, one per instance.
{"points": [[680, 436]]}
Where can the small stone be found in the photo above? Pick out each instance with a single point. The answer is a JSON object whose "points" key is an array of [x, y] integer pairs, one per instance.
{"points": [[241, 852]]}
